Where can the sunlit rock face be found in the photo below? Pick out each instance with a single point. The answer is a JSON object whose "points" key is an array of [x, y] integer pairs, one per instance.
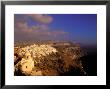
{"points": [[47, 60]]}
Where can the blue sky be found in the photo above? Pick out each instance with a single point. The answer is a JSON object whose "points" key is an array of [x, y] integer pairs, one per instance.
{"points": [[79, 28]]}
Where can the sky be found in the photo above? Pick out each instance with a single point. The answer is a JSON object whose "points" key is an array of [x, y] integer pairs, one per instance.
{"points": [[78, 28]]}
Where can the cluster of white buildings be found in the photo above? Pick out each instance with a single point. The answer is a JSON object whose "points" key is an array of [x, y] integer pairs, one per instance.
{"points": [[37, 50], [28, 53]]}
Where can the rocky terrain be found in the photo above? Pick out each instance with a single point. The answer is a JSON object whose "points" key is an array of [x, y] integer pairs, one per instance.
{"points": [[48, 59]]}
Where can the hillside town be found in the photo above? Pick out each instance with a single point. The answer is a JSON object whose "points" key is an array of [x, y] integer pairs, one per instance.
{"points": [[47, 59]]}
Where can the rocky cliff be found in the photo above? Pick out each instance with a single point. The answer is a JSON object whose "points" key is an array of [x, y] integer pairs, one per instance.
{"points": [[47, 60]]}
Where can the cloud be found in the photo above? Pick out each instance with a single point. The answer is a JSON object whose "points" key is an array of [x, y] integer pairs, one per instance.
{"points": [[38, 30], [40, 27], [35, 32], [59, 33], [41, 18]]}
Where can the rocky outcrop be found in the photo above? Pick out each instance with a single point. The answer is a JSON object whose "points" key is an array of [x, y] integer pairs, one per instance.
{"points": [[46, 60]]}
